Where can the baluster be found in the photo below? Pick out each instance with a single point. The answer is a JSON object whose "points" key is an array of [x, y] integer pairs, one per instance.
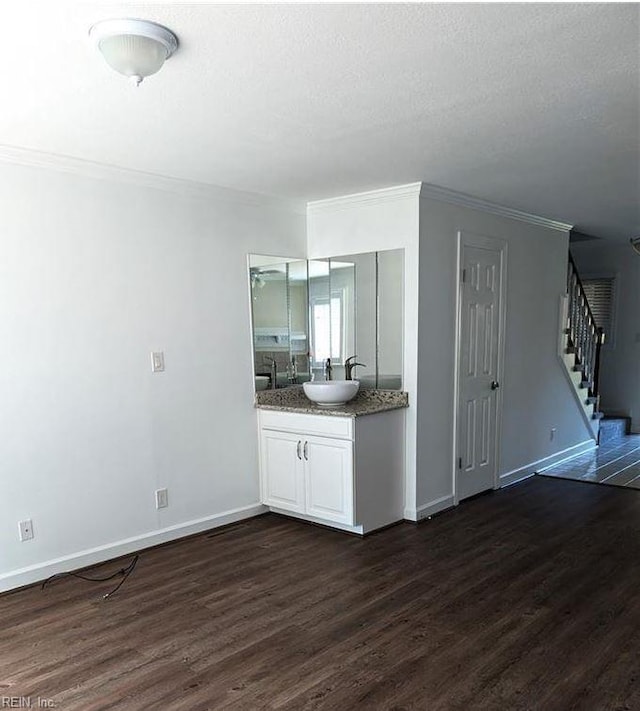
{"points": [[581, 327], [574, 313], [585, 335], [589, 358]]}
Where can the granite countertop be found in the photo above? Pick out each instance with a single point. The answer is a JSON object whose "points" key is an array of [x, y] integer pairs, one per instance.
{"points": [[366, 402]]}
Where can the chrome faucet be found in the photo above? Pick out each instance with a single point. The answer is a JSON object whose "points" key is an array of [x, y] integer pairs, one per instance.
{"points": [[328, 369], [273, 370], [349, 365], [292, 371]]}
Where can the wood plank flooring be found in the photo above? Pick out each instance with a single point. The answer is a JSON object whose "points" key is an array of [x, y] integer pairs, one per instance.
{"points": [[616, 463], [526, 598]]}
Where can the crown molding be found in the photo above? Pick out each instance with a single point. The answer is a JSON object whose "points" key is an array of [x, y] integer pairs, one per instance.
{"points": [[189, 188], [343, 202], [435, 192], [178, 186]]}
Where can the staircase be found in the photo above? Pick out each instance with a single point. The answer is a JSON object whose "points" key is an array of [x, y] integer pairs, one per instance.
{"points": [[579, 348]]}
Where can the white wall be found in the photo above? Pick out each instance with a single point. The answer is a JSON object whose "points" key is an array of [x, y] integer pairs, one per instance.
{"points": [[369, 222], [536, 393], [95, 274], [620, 359]]}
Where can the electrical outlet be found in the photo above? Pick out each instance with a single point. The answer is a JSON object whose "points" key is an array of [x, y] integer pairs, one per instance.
{"points": [[552, 434], [157, 362], [26, 529], [162, 498]]}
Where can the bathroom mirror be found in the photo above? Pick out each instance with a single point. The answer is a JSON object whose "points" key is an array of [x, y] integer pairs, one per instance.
{"points": [[279, 306], [390, 319], [331, 315], [378, 317], [307, 313]]}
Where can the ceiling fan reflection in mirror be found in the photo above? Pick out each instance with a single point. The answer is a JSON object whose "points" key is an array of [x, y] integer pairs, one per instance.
{"points": [[259, 277]]}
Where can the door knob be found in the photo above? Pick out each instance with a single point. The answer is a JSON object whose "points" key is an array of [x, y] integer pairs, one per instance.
{"points": [[495, 384]]}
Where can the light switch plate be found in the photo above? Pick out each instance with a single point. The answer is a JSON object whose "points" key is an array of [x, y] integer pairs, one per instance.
{"points": [[162, 498], [157, 362]]}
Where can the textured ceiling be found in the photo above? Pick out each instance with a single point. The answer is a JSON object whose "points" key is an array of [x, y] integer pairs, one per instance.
{"points": [[534, 106]]}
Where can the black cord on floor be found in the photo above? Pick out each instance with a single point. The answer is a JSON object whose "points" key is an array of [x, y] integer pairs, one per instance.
{"points": [[125, 572]]}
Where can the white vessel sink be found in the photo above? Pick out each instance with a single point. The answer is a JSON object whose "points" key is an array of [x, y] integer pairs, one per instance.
{"points": [[329, 393]]}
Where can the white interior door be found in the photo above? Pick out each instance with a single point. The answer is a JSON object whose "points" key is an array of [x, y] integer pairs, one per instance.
{"points": [[480, 339]]}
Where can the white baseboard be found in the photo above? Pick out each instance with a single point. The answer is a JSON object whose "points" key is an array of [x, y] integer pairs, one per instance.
{"points": [[93, 556], [430, 508], [528, 470], [517, 475]]}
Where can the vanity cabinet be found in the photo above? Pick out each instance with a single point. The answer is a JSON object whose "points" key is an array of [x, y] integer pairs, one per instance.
{"points": [[308, 474], [344, 472], [282, 470], [328, 479]]}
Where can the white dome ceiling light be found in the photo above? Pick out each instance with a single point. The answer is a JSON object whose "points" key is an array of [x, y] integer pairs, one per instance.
{"points": [[135, 48]]}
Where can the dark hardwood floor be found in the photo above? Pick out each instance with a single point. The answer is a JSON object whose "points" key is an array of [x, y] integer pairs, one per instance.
{"points": [[525, 598]]}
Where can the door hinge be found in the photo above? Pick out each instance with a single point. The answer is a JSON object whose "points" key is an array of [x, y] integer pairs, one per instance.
{"points": [[464, 276], [459, 462]]}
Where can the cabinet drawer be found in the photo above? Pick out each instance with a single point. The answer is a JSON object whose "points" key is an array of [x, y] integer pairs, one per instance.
{"points": [[320, 425]]}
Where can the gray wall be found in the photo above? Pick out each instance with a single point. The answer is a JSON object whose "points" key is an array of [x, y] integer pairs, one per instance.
{"points": [[536, 394], [95, 274]]}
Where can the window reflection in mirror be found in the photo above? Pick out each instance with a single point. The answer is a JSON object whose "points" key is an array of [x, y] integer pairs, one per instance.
{"points": [[331, 314]]}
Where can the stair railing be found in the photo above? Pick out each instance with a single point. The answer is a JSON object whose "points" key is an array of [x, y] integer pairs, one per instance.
{"points": [[585, 336]]}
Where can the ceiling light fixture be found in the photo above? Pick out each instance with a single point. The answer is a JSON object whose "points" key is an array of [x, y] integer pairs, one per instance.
{"points": [[635, 243], [135, 48]]}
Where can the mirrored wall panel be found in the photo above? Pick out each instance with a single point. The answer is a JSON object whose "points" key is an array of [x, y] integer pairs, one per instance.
{"points": [[331, 316], [390, 321], [279, 307], [311, 319]]}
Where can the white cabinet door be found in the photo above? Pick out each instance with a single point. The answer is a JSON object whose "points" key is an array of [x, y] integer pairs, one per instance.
{"points": [[329, 478], [282, 470]]}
